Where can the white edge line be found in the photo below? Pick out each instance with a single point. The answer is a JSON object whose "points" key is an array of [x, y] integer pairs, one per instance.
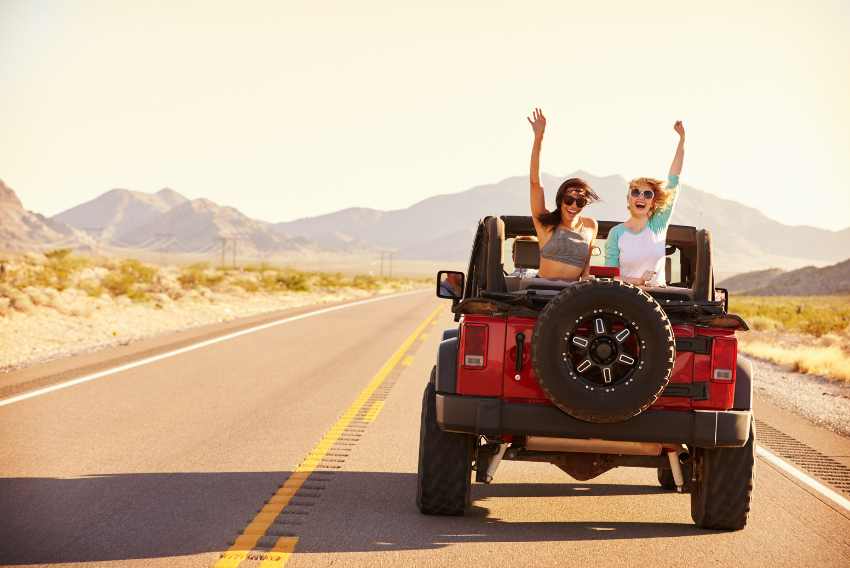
{"points": [[188, 348], [803, 478]]}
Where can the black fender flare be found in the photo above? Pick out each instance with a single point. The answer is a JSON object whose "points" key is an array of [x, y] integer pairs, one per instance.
{"points": [[446, 375], [744, 372]]}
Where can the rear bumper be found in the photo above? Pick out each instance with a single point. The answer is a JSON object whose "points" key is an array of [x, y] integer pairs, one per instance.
{"points": [[493, 416]]}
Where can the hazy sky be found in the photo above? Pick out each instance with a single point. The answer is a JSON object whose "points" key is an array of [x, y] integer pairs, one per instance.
{"points": [[286, 109]]}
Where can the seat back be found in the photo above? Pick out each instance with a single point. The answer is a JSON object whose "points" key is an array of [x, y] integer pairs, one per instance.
{"points": [[526, 253]]}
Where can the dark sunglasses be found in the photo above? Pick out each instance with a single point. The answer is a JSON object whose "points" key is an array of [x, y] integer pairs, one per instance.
{"points": [[647, 193], [580, 201]]}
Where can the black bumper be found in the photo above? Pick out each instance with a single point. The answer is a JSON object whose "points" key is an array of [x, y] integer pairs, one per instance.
{"points": [[493, 416]]}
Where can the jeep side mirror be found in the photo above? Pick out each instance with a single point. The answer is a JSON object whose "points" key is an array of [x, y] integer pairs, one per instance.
{"points": [[450, 284]]}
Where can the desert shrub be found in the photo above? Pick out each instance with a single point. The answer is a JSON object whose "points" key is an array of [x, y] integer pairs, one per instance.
{"points": [[262, 267], [293, 280], [762, 323], [92, 288], [330, 280], [247, 284], [131, 279], [57, 271], [365, 282], [200, 274]]}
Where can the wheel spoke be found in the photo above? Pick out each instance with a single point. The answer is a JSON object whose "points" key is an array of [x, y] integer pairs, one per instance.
{"points": [[583, 366], [625, 359], [606, 374], [580, 341], [622, 335], [599, 325]]}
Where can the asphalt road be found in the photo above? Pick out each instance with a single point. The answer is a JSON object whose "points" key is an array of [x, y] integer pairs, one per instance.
{"points": [[170, 463]]}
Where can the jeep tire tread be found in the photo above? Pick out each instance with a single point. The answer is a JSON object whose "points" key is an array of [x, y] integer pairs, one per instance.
{"points": [[723, 485], [445, 463]]}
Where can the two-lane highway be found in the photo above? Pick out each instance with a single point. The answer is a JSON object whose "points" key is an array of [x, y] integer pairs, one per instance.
{"points": [[303, 437]]}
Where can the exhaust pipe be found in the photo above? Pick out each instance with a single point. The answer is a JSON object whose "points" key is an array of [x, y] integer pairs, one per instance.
{"points": [[494, 463], [546, 444]]}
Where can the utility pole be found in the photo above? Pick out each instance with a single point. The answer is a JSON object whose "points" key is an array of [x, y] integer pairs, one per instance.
{"points": [[169, 238], [94, 233], [382, 264], [223, 250], [391, 265]]}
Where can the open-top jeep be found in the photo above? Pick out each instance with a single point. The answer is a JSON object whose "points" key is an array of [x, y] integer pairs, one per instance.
{"points": [[589, 376]]}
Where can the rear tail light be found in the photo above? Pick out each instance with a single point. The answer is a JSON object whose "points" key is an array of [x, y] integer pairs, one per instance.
{"points": [[474, 346], [724, 355]]}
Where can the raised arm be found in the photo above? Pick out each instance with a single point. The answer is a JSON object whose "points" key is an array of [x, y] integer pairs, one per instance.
{"points": [[538, 124], [679, 158]]}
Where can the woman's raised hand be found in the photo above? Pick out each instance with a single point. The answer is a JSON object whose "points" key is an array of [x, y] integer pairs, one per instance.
{"points": [[679, 128], [537, 122]]}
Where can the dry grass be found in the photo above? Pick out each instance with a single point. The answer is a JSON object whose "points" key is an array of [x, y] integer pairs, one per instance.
{"points": [[812, 315], [828, 361], [809, 334]]}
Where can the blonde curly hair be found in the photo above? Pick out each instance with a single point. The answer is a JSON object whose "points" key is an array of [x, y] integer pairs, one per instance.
{"points": [[662, 196]]}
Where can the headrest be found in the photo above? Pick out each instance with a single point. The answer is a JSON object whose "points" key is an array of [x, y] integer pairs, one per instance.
{"points": [[526, 254]]}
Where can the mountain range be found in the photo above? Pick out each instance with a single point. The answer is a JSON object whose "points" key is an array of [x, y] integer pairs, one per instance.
{"points": [[806, 281], [436, 228], [441, 227]]}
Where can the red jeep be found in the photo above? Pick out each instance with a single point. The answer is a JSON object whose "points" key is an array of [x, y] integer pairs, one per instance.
{"points": [[589, 376]]}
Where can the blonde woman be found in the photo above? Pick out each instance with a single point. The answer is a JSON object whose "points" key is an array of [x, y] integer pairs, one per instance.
{"points": [[638, 245]]}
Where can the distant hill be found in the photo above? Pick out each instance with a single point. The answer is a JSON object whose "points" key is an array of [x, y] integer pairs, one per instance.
{"points": [[751, 280], [743, 237], [118, 212], [22, 230], [806, 281], [199, 225]]}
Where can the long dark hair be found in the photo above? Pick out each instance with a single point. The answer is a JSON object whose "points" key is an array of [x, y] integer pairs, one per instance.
{"points": [[553, 218]]}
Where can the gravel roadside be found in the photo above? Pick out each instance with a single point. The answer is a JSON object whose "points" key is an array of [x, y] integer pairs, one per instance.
{"points": [[820, 400]]}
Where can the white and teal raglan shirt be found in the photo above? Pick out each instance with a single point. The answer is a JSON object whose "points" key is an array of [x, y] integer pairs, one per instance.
{"points": [[635, 253]]}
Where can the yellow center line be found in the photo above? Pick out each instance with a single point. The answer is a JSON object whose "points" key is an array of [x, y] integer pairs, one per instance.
{"points": [[284, 547]]}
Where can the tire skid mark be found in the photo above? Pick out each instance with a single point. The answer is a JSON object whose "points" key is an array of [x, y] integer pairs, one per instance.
{"points": [[271, 536]]}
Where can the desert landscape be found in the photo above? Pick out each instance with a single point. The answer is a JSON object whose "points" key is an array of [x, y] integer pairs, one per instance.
{"points": [[129, 264]]}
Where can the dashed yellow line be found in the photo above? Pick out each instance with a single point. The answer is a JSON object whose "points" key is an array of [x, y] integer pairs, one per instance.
{"points": [[406, 361], [284, 547]]}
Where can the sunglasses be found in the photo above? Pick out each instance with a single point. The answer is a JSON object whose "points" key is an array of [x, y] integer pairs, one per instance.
{"points": [[647, 193], [579, 201]]}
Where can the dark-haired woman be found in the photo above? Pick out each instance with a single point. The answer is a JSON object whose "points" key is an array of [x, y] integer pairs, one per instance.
{"points": [[565, 236]]}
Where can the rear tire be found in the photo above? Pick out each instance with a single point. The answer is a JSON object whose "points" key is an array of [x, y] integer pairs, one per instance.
{"points": [[723, 486], [445, 464]]}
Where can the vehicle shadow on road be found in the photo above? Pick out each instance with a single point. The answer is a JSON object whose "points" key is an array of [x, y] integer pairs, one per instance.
{"points": [[126, 516], [371, 511], [153, 515]]}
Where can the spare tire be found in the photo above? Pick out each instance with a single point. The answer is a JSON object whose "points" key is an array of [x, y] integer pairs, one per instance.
{"points": [[603, 350]]}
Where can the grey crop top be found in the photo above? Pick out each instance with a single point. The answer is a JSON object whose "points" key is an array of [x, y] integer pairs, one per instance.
{"points": [[568, 247]]}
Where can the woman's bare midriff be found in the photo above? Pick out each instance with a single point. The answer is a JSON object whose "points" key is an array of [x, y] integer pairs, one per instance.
{"points": [[554, 270]]}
